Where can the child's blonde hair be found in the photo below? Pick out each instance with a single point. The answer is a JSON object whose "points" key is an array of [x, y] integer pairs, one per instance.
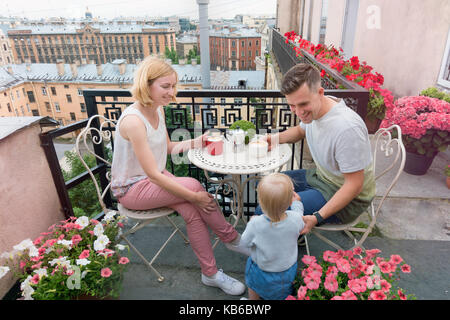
{"points": [[150, 69], [275, 195]]}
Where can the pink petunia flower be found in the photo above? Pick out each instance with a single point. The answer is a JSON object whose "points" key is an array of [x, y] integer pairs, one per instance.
{"points": [[106, 272], [312, 283], [308, 259], [401, 295], [377, 295], [84, 254], [343, 265], [385, 286], [301, 293], [76, 239], [395, 258], [124, 260], [331, 284], [406, 268], [385, 267]]}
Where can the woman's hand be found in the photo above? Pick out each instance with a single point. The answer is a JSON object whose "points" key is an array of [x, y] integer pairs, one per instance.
{"points": [[200, 142], [205, 202]]}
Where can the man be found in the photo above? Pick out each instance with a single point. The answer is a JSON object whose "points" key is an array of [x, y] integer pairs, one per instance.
{"points": [[342, 185]]}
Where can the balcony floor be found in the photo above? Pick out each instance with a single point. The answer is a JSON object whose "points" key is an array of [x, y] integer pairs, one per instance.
{"points": [[414, 223]]}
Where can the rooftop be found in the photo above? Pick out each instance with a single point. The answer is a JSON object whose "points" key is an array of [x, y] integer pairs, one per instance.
{"points": [[110, 73]]}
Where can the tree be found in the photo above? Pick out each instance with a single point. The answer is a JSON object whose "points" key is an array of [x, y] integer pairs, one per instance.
{"points": [[84, 196]]}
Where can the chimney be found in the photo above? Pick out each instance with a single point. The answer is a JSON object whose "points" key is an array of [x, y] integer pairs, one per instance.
{"points": [[99, 69], [9, 69], [74, 69], [122, 67], [60, 67], [28, 66], [204, 42], [77, 62], [83, 61]]}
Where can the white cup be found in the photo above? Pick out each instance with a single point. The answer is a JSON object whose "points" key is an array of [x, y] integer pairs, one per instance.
{"points": [[258, 148]]}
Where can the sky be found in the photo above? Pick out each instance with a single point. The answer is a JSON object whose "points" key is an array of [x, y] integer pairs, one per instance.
{"points": [[36, 9]]}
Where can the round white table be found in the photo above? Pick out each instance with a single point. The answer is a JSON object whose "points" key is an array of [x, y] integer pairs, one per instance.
{"points": [[237, 164]]}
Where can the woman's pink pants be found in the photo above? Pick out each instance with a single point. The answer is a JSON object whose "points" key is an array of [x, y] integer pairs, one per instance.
{"points": [[147, 195]]}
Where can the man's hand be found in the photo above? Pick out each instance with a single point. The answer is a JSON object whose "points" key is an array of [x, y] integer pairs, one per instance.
{"points": [[310, 221], [271, 140]]}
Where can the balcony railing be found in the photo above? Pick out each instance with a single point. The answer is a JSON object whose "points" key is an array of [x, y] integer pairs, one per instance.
{"points": [[195, 112], [355, 96]]}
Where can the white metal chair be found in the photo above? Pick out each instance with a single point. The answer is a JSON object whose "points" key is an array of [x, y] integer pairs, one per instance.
{"points": [[144, 217], [393, 151]]}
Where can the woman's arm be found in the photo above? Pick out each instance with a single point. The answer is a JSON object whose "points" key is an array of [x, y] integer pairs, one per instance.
{"points": [[133, 129]]}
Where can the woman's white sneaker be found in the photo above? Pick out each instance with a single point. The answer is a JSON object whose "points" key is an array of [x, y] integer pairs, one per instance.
{"points": [[228, 284]]}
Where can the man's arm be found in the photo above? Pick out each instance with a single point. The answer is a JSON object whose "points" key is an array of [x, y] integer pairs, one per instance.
{"points": [[353, 184], [291, 135]]}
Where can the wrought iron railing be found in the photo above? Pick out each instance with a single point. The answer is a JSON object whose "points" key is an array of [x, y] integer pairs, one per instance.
{"points": [[355, 96], [195, 112]]}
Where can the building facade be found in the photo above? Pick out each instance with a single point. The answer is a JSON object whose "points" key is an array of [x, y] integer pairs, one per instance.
{"points": [[234, 48], [6, 56], [96, 43]]}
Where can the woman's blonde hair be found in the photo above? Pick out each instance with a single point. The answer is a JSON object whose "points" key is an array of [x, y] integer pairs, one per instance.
{"points": [[150, 69], [275, 195]]}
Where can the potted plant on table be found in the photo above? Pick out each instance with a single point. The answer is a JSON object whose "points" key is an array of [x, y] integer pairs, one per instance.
{"points": [[350, 275], [425, 124], [76, 259]]}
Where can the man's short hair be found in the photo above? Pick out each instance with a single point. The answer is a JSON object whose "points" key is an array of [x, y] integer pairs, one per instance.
{"points": [[298, 75]]}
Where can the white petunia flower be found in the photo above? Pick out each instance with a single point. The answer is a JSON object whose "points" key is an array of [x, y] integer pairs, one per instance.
{"points": [[41, 272], [3, 271], [109, 216], [82, 262], [98, 230], [60, 261], [33, 251], [120, 247], [25, 244], [67, 243], [83, 222], [101, 242]]}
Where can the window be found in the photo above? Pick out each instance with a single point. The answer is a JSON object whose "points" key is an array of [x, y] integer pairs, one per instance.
{"points": [[30, 95], [444, 74], [44, 91], [66, 86], [83, 107], [69, 98], [57, 107], [72, 116], [80, 92], [9, 107], [53, 90], [47, 106]]}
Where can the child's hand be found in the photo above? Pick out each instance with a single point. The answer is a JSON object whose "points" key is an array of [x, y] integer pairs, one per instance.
{"points": [[295, 196]]}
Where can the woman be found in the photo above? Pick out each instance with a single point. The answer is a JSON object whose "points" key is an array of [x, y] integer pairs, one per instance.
{"points": [[140, 180]]}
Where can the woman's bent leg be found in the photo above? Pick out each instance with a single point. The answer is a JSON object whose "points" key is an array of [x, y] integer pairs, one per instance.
{"points": [[146, 195]]}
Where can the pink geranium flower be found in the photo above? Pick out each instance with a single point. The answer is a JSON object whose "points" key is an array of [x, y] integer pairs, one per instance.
{"points": [[106, 272]]}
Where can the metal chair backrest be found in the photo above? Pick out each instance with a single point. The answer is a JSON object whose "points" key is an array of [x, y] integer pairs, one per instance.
{"points": [[391, 146], [98, 136]]}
